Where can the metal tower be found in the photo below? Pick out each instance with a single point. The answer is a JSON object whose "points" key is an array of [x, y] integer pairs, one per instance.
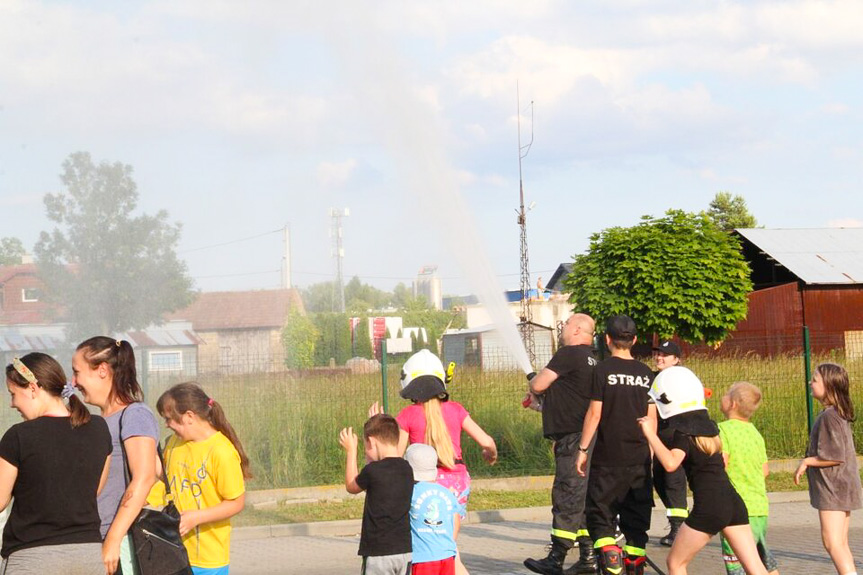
{"points": [[338, 252], [525, 326]]}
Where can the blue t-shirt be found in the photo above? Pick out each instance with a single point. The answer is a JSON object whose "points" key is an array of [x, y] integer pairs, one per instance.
{"points": [[432, 510]]}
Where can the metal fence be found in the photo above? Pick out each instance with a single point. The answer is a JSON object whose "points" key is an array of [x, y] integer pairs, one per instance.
{"points": [[289, 422]]}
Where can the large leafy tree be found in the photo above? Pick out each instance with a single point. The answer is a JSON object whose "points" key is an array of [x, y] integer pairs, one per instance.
{"points": [[678, 274], [110, 269], [729, 212], [333, 338], [11, 251], [299, 337]]}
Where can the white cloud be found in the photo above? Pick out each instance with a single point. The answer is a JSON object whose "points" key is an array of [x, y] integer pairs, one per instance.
{"points": [[335, 174], [845, 223]]}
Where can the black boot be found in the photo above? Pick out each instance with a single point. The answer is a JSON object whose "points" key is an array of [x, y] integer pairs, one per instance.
{"points": [[674, 524], [553, 564], [586, 558]]}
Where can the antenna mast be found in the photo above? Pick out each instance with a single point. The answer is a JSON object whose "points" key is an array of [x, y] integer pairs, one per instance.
{"points": [[338, 252], [525, 326]]}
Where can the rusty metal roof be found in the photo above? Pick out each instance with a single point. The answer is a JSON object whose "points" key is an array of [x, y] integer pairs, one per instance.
{"points": [[49, 338], [816, 256]]}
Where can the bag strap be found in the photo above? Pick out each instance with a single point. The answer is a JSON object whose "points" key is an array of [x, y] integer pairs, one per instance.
{"points": [[127, 473]]}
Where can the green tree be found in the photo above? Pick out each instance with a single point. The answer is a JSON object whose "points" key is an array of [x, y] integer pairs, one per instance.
{"points": [[299, 337], [729, 212], [678, 274], [110, 269], [360, 297], [362, 340], [319, 297], [415, 344], [334, 338], [11, 251]]}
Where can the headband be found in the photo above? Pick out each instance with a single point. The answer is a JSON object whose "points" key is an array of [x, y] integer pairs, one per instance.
{"points": [[24, 371]]}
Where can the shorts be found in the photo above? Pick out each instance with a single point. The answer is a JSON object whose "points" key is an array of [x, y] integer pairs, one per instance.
{"points": [[442, 567], [210, 570], [458, 482], [713, 514], [71, 558], [759, 532], [398, 564]]}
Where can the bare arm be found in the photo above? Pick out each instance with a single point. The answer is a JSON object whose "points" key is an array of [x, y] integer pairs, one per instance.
{"points": [[227, 508], [588, 430], [456, 525], [141, 455], [543, 380], [670, 459], [348, 440], [486, 441], [765, 468], [812, 462], [403, 441], [8, 476]]}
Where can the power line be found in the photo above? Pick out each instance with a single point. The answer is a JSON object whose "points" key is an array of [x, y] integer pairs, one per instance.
{"points": [[280, 230], [237, 275]]}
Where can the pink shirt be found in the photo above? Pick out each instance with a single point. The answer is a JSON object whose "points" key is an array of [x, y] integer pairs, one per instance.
{"points": [[413, 420]]}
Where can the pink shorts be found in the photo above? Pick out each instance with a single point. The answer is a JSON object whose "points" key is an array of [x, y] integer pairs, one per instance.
{"points": [[457, 480], [442, 567]]}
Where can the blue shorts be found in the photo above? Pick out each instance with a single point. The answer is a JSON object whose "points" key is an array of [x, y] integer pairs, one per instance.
{"points": [[210, 570]]}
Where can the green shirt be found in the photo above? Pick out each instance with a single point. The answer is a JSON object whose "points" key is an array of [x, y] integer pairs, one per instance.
{"points": [[746, 459]]}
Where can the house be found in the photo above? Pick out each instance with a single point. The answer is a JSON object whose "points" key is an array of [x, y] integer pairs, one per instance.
{"points": [[484, 348], [240, 331], [22, 299]]}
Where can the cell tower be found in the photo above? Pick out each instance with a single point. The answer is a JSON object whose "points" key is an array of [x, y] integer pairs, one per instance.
{"points": [[526, 315], [338, 252]]}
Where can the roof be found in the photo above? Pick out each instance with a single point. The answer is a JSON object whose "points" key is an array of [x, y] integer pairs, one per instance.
{"points": [[9, 272], [815, 256], [161, 337], [490, 327], [240, 309], [555, 282]]}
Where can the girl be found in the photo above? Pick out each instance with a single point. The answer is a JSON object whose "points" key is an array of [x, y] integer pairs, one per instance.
{"points": [[831, 464], [436, 421], [206, 466], [105, 374], [695, 445], [54, 463]]}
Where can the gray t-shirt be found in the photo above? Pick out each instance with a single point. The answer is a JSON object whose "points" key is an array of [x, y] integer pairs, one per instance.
{"points": [[835, 488], [139, 421]]}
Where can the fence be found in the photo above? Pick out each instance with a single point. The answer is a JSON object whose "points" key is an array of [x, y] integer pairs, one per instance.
{"points": [[289, 423]]}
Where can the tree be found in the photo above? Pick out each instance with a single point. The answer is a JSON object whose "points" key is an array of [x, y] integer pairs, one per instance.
{"points": [[319, 297], [362, 340], [678, 274], [299, 337], [111, 270], [11, 251], [334, 338], [729, 212]]}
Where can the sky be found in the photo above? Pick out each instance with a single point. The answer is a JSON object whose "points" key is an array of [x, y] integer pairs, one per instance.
{"points": [[242, 118]]}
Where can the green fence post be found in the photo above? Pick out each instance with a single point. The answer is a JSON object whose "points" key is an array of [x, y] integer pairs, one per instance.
{"points": [[807, 361], [384, 394]]}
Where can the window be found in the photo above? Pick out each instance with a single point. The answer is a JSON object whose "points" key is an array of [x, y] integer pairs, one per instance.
{"points": [[166, 360], [29, 295]]}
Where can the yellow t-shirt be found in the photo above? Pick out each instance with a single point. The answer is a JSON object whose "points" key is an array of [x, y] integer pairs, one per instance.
{"points": [[202, 474]]}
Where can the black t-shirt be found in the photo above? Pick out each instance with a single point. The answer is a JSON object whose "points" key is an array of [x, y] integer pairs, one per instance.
{"points": [[705, 473], [389, 484], [565, 401], [621, 385], [59, 467]]}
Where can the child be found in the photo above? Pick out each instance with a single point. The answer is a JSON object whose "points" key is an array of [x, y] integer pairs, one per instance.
{"points": [[206, 466], [620, 479], [695, 444], [434, 516], [746, 465], [387, 479], [831, 464]]}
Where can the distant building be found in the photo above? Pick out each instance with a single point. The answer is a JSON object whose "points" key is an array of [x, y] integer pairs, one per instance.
{"points": [[22, 299], [483, 348], [428, 285]]}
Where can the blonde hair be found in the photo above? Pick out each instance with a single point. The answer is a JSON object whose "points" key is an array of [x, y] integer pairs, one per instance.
{"points": [[437, 435], [708, 445], [746, 396]]}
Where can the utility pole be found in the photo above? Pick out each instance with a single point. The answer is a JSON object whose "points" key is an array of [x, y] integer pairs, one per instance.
{"points": [[525, 326], [286, 259], [338, 252]]}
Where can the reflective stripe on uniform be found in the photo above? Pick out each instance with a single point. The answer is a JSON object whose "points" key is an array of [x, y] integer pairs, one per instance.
{"points": [[675, 512], [604, 542], [634, 551], [565, 534]]}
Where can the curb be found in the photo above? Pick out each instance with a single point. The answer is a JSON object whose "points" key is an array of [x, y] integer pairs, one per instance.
{"points": [[352, 527]]}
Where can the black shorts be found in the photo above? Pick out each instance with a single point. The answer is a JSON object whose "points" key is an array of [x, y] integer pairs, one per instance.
{"points": [[720, 510]]}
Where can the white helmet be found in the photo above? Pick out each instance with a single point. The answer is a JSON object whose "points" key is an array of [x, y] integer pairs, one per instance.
{"points": [[679, 397], [422, 377]]}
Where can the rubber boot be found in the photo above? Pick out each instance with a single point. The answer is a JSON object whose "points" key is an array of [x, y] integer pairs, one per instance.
{"points": [[586, 558], [634, 565], [611, 560], [553, 564], [674, 524]]}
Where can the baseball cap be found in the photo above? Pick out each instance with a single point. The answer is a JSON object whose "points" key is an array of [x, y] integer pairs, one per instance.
{"points": [[423, 460], [668, 347], [621, 327]]}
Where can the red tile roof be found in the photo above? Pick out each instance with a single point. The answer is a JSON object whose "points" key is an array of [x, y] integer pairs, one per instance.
{"points": [[240, 309]]}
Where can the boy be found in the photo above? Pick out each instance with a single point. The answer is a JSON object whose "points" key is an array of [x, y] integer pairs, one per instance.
{"points": [[620, 479], [746, 465], [387, 479], [434, 516]]}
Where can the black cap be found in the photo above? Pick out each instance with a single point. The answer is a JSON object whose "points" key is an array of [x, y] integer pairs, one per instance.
{"points": [[621, 327], [668, 347]]}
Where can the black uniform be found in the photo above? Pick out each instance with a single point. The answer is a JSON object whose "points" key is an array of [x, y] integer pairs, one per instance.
{"points": [[564, 405], [620, 478], [670, 486]]}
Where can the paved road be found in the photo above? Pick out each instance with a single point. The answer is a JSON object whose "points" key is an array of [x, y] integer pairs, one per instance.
{"points": [[500, 547]]}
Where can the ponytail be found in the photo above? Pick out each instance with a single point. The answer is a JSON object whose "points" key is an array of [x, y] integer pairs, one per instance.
{"points": [[708, 445], [78, 412], [437, 434], [120, 357], [45, 372], [190, 396]]}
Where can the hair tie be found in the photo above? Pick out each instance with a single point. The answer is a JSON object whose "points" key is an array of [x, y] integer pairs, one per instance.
{"points": [[119, 343], [68, 390], [24, 371], [210, 402]]}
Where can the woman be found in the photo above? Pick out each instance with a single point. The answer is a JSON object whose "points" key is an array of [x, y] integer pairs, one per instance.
{"points": [[54, 463], [105, 373]]}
